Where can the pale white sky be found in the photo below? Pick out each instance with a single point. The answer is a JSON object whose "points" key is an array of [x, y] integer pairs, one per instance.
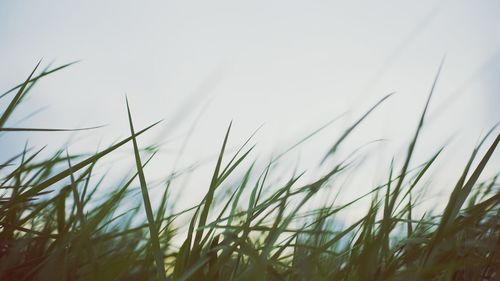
{"points": [[291, 65]]}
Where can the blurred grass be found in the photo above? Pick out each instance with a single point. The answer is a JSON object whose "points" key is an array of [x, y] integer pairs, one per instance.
{"points": [[54, 226]]}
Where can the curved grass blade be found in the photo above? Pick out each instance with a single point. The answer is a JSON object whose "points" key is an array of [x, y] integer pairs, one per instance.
{"points": [[47, 129], [34, 79], [350, 129], [17, 98]]}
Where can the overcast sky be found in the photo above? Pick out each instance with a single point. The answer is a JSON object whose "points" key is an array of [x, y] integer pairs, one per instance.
{"points": [[290, 65]]}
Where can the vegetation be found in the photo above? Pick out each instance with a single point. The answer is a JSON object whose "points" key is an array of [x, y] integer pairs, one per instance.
{"points": [[54, 225]]}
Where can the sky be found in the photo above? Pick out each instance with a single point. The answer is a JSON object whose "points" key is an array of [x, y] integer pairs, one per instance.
{"points": [[288, 66]]}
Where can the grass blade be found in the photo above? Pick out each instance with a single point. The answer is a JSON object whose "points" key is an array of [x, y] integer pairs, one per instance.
{"points": [[153, 230]]}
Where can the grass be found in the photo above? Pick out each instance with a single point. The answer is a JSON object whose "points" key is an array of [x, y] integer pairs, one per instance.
{"points": [[55, 225]]}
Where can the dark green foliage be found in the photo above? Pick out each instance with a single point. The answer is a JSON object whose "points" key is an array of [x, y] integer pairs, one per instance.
{"points": [[54, 226]]}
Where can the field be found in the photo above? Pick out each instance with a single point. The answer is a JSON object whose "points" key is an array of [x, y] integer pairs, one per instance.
{"points": [[56, 223]]}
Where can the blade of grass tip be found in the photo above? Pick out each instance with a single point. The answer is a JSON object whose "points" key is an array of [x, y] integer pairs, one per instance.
{"points": [[15, 101], [210, 194], [21, 168], [188, 136], [225, 170], [426, 168], [262, 182], [9, 161], [230, 169], [411, 147], [350, 129], [461, 181], [221, 176], [456, 202], [34, 80], [155, 241], [44, 73], [47, 129]]}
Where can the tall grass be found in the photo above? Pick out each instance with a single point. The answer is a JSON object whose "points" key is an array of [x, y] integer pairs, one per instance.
{"points": [[54, 225]]}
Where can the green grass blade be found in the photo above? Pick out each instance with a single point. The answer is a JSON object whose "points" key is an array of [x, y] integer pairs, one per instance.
{"points": [[34, 79], [49, 182], [350, 129], [17, 98], [47, 129], [153, 231]]}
